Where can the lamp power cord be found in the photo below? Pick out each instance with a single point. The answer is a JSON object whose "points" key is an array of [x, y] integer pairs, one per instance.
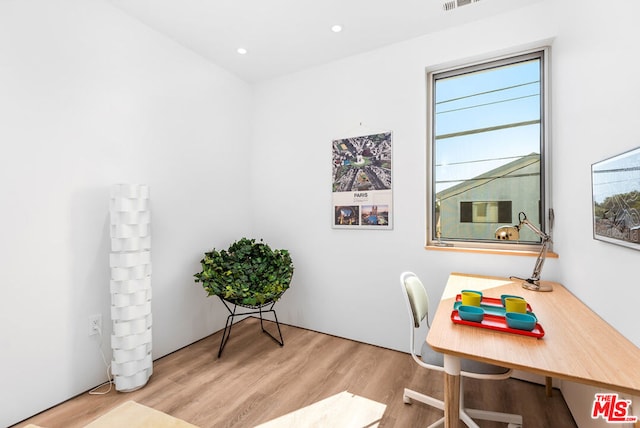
{"points": [[96, 390]]}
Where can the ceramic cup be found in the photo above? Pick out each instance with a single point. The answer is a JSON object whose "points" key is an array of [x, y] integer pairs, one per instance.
{"points": [[504, 296], [520, 321], [471, 313], [471, 298], [515, 304]]}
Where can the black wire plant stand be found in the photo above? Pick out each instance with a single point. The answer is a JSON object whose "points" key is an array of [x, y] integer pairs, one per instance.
{"points": [[249, 278], [246, 311]]}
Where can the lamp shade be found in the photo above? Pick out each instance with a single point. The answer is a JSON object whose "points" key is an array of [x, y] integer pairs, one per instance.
{"points": [[130, 263]]}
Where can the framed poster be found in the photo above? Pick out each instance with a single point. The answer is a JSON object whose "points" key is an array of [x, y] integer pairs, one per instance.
{"points": [[362, 191], [616, 199]]}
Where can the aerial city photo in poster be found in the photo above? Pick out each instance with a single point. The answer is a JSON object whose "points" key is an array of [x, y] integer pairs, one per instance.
{"points": [[362, 193]]}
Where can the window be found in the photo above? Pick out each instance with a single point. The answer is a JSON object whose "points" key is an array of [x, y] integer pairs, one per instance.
{"points": [[485, 212], [487, 146]]}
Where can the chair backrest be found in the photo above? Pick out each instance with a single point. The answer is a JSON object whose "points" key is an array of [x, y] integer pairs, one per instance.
{"points": [[416, 298]]}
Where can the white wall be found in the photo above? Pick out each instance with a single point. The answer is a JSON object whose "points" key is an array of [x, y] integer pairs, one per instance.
{"points": [[346, 282], [596, 92], [596, 116], [88, 98]]}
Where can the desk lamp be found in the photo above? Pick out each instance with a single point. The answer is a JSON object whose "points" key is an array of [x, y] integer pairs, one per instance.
{"points": [[511, 233]]}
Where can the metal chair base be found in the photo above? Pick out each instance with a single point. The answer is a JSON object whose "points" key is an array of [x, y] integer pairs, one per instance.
{"points": [[466, 415], [253, 311]]}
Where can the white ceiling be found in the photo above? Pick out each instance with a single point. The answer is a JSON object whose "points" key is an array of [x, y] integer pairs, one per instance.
{"points": [[284, 36]]}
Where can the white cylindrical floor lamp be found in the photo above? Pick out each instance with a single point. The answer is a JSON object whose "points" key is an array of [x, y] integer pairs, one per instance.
{"points": [[130, 262]]}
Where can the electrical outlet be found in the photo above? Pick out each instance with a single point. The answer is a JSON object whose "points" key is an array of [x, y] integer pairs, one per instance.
{"points": [[95, 324]]}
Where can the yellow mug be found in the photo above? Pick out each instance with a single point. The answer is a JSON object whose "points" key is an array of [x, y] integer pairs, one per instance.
{"points": [[470, 298], [515, 304]]}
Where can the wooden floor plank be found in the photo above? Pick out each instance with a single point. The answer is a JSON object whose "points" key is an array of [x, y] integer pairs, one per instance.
{"points": [[256, 381]]}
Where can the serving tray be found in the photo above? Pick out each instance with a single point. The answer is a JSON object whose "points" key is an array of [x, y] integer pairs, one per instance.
{"points": [[499, 323]]}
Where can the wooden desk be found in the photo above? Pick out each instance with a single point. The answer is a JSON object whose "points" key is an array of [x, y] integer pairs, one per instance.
{"points": [[578, 345]]}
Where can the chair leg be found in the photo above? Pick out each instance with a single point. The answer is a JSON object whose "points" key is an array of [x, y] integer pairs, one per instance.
{"points": [[438, 423], [226, 333], [486, 415], [464, 417], [279, 342], [232, 314], [410, 395]]}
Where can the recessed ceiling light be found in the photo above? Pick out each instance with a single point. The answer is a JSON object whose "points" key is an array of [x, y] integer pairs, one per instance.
{"points": [[242, 51], [336, 28]]}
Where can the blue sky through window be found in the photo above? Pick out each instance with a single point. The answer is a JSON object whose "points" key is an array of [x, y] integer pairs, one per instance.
{"points": [[476, 116]]}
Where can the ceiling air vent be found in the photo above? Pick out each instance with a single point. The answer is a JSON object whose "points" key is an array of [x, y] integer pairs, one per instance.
{"points": [[450, 5]]}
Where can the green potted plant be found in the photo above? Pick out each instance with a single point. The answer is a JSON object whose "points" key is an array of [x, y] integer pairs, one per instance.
{"points": [[248, 273]]}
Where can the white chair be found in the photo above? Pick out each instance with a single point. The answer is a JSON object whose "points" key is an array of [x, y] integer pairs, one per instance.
{"points": [[418, 306]]}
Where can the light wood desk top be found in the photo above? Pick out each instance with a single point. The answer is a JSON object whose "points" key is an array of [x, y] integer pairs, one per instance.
{"points": [[578, 345]]}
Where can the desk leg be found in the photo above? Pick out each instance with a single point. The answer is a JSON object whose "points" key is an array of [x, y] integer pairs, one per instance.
{"points": [[548, 386], [451, 391]]}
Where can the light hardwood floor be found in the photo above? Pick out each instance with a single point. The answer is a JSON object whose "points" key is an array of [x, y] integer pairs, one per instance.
{"points": [[256, 380]]}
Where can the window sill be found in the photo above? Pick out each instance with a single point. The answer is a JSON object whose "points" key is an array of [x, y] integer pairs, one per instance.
{"points": [[526, 253]]}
